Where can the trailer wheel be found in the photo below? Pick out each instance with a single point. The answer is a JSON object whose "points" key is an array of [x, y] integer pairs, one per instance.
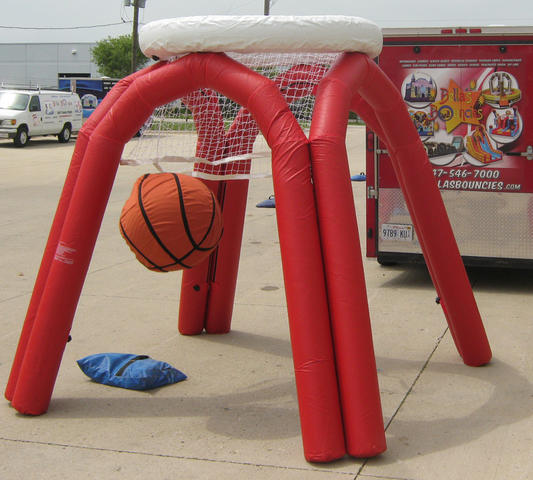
{"points": [[386, 263], [64, 135], [21, 138]]}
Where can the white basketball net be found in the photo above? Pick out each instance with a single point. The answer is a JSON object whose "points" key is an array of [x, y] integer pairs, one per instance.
{"points": [[219, 136]]}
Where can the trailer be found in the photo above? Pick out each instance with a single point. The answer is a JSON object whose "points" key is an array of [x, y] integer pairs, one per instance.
{"points": [[469, 92], [91, 90]]}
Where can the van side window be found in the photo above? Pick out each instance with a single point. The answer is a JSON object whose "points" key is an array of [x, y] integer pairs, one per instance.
{"points": [[35, 104]]}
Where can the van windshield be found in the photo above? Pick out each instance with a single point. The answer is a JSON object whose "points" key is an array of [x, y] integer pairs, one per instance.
{"points": [[13, 101]]}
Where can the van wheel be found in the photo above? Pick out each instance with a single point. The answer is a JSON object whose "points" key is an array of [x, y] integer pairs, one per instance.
{"points": [[64, 135], [21, 138]]}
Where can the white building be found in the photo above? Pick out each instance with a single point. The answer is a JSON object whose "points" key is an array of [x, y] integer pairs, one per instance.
{"points": [[40, 64]]}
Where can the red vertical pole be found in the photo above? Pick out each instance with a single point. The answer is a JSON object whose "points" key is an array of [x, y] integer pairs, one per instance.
{"points": [[194, 293], [233, 194], [348, 304], [196, 283], [225, 262], [208, 290]]}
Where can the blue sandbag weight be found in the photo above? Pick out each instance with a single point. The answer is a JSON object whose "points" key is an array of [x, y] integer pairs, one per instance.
{"points": [[125, 370]]}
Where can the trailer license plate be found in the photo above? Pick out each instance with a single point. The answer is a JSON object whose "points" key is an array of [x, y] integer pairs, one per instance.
{"points": [[396, 231]]}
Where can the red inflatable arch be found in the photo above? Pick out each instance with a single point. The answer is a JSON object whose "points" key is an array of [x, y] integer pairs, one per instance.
{"points": [[329, 322]]}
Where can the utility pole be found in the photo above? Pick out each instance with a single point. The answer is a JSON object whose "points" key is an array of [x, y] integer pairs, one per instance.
{"points": [[266, 10], [135, 33]]}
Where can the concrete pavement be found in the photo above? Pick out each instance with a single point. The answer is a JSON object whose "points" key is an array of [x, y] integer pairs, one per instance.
{"points": [[236, 416]]}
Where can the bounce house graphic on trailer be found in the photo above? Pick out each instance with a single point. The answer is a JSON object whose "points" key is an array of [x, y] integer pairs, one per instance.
{"points": [[423, 123], [480, 147], [420, 88], [507, 123], [502, 90]]}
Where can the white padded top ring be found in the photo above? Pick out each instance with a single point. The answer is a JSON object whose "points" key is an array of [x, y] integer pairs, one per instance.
{"points": [[260, 33]]}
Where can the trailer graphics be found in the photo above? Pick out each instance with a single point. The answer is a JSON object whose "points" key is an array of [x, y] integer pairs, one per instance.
{"points": [[477, 105], [470, 99], [468, 108]]}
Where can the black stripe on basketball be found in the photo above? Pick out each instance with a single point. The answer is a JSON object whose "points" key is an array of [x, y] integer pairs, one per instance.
{"points": [[151, 228], [128, 239], [186, 222], [212, 221]]}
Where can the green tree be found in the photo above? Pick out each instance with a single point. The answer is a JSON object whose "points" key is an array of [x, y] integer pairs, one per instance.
{"points": [[113, 56]]}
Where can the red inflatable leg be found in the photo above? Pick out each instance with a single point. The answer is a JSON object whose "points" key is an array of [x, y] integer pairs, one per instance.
{"points": [[225, 265], [54, 317], [57, 303], [415, 175], [363, 109], [350, 318], [59, 218], [208, 291], [232, 195], [193, 299]]}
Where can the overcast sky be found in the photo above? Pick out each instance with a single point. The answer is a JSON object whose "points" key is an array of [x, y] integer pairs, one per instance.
{"points": [[29, 21]]}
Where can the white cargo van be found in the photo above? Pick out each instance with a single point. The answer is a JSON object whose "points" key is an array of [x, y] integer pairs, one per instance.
{"points": [[28, 113]]}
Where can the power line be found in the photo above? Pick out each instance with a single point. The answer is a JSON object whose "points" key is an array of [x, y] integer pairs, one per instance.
{"points": [[124, 22]]}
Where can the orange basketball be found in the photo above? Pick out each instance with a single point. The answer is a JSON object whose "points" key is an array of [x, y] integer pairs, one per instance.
{"points": [[171, 221]]}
